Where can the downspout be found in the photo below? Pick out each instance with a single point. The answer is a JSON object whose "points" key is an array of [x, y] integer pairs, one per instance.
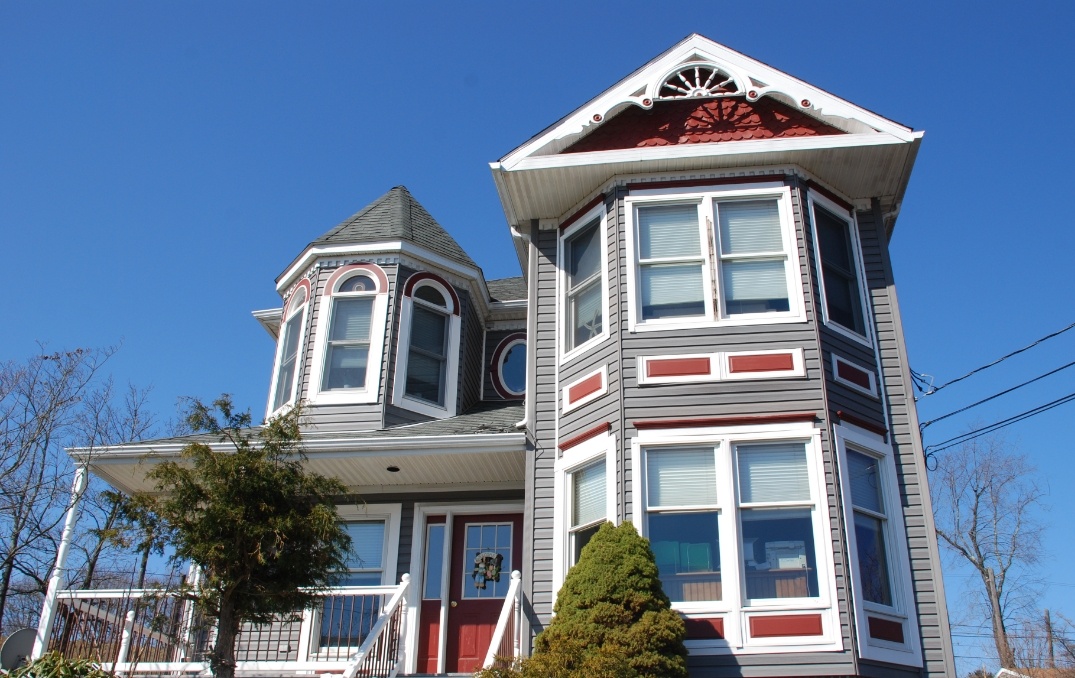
{"points": [[48, 609]]}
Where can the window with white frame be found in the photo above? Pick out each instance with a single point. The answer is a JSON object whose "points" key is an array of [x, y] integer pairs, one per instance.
{"points": [[880, 571], [724, 256], [351, 324], [837, 247], [427, 357], [583, 497], [288, 354], [583, 283], [588, 505]]}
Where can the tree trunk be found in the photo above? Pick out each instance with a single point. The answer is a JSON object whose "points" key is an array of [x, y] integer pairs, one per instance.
{"points": [[142, 568], [222, 658], [1000, 633]]}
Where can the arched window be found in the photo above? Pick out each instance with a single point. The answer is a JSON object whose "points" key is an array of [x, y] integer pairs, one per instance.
{"points": [[427, 358], [351, 325], [287, 354]]}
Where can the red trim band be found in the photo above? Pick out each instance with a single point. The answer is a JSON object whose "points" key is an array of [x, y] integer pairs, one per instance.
{"points": [[688, 183], [862, 423], [814, 186], [741, 420], [586, 435], [582, 212]]}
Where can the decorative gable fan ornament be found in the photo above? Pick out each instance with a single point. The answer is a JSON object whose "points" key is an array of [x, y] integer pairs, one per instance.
{"points": [[487, 565]]}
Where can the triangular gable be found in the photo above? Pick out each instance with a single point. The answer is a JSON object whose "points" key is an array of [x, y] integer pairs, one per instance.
{"points": [[699, 67]]}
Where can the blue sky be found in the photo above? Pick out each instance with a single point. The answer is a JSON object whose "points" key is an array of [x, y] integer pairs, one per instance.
{"points": [[161, 163]]}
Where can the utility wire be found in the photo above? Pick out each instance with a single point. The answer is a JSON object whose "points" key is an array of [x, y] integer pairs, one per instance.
{"points": [[922, 378], [952, 442], [995, 395]]}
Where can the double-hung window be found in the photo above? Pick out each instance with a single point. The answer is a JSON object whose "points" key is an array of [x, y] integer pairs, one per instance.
{"points": [[427, 360], [880, 573], [582, 501], [837, 247], [588, 505], [283, 391], [738, 525], [582, 251], [726, 256], [351, 322]]}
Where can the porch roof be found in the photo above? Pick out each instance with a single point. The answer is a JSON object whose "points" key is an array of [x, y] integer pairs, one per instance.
{"points": [[481, 447]]}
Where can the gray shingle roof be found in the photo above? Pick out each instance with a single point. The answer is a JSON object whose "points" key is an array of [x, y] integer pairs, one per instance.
{"points": [[396, 215], [507, 289]]}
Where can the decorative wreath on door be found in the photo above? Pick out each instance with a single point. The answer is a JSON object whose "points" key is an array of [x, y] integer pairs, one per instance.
{"points": [[486, 568]]}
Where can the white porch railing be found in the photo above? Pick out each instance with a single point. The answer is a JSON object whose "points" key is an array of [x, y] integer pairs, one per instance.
{"points": [[353, 629], [506, 644]]}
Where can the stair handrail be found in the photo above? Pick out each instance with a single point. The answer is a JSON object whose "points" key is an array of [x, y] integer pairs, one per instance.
{"points": [[511, 611], [397, 602]]}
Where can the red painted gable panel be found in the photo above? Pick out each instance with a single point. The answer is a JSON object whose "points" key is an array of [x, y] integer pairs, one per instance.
{"points": [[694, 121]]}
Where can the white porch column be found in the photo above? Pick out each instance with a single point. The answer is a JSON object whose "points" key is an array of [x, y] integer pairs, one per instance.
{"points": [[48, 610]]}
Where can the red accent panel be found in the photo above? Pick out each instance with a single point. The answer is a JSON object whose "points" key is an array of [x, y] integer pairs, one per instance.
{"points": [[886, 629], [408, 288], [585, 208], [781, 625], [704, 629], [677, 367], [855, 375], [814, 186], [591, 384], [721, 181], [688, 121], [862, 423], [586, 435], [724, 421], [770, 362]]}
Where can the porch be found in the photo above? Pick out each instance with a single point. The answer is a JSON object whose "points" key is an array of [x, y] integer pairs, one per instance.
{"points": [[352, 631]]}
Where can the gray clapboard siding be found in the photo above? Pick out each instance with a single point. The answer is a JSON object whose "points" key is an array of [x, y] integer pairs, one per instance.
{"points": [[910, 465], [471, 343]]}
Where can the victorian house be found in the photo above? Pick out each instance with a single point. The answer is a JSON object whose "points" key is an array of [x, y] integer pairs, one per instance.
{"points": [[705, 341]]}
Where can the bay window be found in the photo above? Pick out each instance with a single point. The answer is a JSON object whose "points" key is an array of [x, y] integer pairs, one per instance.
{"points": [[351, 324], [725, 256], [283, 388], [837, 246], [583, 285]]}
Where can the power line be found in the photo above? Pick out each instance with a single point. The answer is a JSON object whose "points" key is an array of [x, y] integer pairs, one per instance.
{"points": [[994, 396], [927, 380], [952, 442]]}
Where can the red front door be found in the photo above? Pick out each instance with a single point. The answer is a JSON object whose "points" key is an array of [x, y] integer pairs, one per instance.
{"points": [[475, 597]]}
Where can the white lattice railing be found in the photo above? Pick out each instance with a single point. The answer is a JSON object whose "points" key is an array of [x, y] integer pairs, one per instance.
{"points": [[506, 644], [147, 631]]}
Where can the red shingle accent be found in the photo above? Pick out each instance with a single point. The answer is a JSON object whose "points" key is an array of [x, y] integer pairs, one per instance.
{"points": [[849, 372], [591, 384], [886, 629], [786, 625], [704, 629], [677, 367], [769, 362], [693, 121]]}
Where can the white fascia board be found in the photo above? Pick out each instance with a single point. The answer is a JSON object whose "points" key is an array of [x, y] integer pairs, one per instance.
{"points": [[325, 447], [752, 146], [269, 318], [744, 67]]}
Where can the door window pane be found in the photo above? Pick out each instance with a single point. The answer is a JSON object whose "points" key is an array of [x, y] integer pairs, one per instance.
{"points": [[485, 575], [434, 569]]}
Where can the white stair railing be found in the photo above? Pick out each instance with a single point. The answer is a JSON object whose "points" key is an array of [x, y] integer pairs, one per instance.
{"points": [[507, 636], [381, 652]]}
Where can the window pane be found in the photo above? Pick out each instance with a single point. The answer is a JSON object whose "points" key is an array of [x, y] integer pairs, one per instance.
{"points": [[358, 283], [778, 553], [513, 368], [865, 481], [367, 545], [428, 330], [434, 562], [686, 547], [755, 286], [283, 384], [668, 231], [430, 294], [584, 255], [486, 538], [425, 378], [834, 239], [345, 367], [681, 476], [773, 472], [579, 540], [749, 227], [873, 566], [588, 494], [585, 314], [672, 291], [351, 319], [842, 299]]}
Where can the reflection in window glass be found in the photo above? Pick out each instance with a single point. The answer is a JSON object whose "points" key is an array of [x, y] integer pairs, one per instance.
{"points": [[778, 553], [434, 569], [513, 368], [687, 549], [584, 294], [868, 501]]}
